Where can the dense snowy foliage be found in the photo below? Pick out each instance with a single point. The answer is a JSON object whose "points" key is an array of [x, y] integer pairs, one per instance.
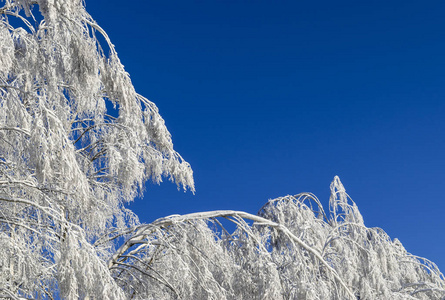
{"points": [[291, 250], [77, 143]]}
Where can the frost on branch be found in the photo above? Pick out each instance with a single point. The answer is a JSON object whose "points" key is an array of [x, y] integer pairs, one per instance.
{"points": [[76, 143], [290, 250]]}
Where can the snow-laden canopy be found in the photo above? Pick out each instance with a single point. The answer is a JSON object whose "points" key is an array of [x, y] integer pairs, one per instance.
{"points": [[291, 249], [77, 143]]}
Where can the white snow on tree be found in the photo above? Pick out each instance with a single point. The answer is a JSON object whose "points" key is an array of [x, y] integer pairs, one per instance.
{"points": [[290, 250], [77, 143]]}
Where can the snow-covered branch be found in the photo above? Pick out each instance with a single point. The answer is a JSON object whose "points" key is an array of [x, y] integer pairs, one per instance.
{"points": [[291, 249]]}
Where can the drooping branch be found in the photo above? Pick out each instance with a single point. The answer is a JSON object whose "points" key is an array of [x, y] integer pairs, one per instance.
{"points": [[143, 231], [301, 252]]}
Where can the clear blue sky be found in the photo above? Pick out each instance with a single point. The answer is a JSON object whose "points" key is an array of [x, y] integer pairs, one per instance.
{"points": [[269, 98]]}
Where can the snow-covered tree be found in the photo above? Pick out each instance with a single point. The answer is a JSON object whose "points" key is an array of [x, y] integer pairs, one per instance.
{"points": [[77, 143], [291, 249]]}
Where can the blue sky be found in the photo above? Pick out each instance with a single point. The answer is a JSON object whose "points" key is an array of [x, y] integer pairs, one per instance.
{"points": [[270, 98]]}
